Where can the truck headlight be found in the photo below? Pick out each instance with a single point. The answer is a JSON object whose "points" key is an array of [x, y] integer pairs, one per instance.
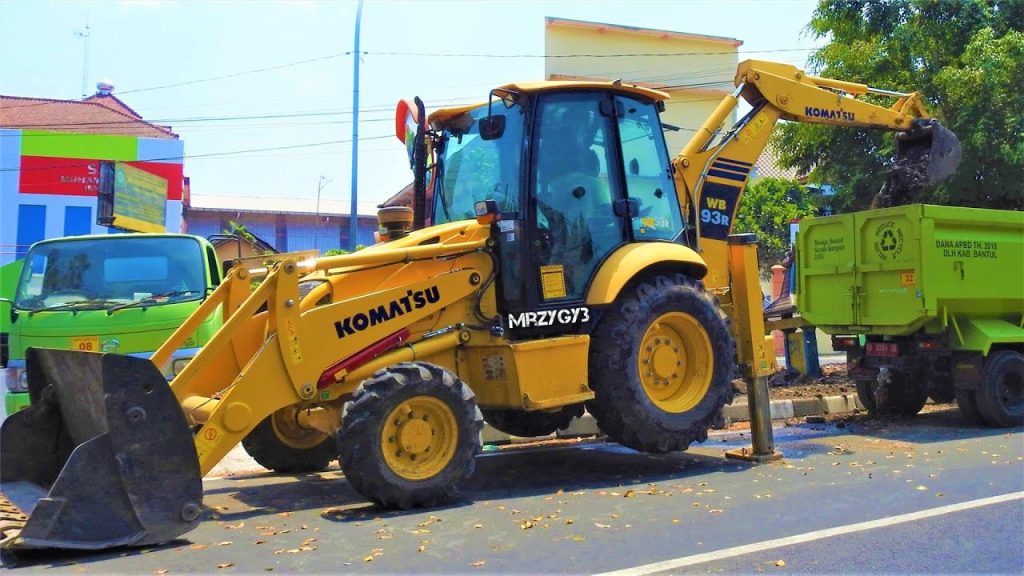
{"points": [[16, 379]]}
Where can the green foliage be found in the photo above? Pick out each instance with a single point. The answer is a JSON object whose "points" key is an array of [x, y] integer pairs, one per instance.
{"points": [[342, 251], [966, 57], [767, 208]]}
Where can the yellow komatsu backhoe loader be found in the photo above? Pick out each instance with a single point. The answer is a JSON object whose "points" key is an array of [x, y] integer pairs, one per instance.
{"points": [[568, 263]]}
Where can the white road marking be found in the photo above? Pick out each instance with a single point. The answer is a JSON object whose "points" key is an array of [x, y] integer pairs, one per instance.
{"points": [[810, 536]]}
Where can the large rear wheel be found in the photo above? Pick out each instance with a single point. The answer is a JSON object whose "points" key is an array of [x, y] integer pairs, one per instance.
{"points": [[661, 365], [281, 444], [410, 435], [1001, 397]]}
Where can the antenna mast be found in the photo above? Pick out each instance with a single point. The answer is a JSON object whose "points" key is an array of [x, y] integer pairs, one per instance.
{"points": [[84, 35]]}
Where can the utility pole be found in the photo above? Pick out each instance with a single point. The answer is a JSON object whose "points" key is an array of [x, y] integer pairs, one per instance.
{"points": [[84, 35], [324, 181], [353, 222]]}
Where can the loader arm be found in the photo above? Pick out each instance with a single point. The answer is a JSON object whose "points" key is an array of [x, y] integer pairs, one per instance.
{"points": [[710, 179]]}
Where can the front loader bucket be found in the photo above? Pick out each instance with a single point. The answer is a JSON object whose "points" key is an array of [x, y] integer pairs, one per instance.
{"points": [[929, 150], [102, 458]]}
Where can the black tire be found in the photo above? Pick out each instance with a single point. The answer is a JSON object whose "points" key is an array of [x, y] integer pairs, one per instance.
{"points": [[530, 424], [968, 403], [280, 444], [648, 324], [414, 477], [903, 397], [1001, 397], [866, 395]]}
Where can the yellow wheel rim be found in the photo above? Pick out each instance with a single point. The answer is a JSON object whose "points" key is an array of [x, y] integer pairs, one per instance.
{"points": [[676, 362], [288, 430], [419, 438]]}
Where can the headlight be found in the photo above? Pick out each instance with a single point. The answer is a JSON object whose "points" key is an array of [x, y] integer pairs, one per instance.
{"points": [[178, 365], [16, 379]]}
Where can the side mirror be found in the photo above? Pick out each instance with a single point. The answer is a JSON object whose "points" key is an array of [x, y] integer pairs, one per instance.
{"points": [[492, 127]]}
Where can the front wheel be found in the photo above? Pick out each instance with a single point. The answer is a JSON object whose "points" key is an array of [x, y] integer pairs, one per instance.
{"points": [[409, 436], [661, 365]]}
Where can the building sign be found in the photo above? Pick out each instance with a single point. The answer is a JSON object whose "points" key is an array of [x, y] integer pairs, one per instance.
{"points": [[64, 176], [136, 200]]}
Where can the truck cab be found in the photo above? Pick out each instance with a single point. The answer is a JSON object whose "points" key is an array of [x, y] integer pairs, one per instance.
{"points": [[123, 293]]}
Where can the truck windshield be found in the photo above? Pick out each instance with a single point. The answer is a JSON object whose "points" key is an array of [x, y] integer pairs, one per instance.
{"points": [[107, 272], [473, 169]]}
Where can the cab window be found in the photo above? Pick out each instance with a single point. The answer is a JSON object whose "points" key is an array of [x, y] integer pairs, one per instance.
{"points": [[647, 170]]}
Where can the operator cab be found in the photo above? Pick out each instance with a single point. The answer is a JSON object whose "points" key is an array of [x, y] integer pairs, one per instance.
{"points": [[575, 170]]}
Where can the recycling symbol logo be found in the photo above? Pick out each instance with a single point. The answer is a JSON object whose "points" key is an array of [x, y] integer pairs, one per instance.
{"points": [[888, 241]]}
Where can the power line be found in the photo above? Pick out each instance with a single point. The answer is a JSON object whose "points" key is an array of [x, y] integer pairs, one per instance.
{"points": [[206, 155], [440, 55]]}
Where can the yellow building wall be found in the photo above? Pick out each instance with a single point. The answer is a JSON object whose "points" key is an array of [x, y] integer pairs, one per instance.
{"points": [[696, 78]]}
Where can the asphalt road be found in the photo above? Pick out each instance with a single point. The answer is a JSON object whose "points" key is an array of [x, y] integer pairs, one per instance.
{"points": [[874, 496]]}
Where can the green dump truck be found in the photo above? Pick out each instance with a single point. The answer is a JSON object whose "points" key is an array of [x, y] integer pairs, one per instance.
{"points": [[926, 301], [107, 293]]}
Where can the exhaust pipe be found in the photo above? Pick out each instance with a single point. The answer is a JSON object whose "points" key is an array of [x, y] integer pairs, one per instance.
{"points": [[102, 458]]}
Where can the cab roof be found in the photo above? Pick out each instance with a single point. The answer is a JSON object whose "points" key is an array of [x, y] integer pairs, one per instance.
{"points": [[535, 87]]}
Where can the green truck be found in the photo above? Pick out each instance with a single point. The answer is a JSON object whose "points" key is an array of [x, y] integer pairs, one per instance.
{"points": [[926, 301], [121, 293]]}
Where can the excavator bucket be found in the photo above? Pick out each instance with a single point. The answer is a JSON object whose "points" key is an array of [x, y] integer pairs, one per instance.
{"points": [[102, 458], [929, 151]]}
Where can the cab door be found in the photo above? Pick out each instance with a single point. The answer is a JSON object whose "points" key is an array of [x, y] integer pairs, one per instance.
{"points": [[573, 224]]}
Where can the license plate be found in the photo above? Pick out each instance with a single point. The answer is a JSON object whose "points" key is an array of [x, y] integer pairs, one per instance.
{"points": [[86, 344], [889, 350]]}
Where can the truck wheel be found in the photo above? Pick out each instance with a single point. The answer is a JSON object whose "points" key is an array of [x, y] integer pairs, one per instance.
{"points": [[866, 395], [1001, 397], [903, 397], [529, 424], [280, 444], [968, 403], [409, 436], [661, 365]]}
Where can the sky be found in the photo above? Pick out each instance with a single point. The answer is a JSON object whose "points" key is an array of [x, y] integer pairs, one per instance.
{"points": [[234, 76]]}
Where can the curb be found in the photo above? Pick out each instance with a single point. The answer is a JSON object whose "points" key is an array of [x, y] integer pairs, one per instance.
{"points": [[738, 412]]}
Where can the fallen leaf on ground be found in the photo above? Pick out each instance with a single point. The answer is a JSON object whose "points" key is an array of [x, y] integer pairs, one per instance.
{"points": [[570, 521], [780, 563], [421, 548], [478, 563], [478, 526], [235, 526], [224, 543], [526, 524], [629, 494], [715, 511], [284, 514], [161, 572], [599, 525], [226, 565], [199, 546]]}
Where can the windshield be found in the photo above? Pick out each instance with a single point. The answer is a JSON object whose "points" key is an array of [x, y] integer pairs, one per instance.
{"points": [[473, 169], [109, 272]]}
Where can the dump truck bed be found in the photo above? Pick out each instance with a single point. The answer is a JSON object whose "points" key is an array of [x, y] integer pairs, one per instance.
{"points": [[893, 271]]}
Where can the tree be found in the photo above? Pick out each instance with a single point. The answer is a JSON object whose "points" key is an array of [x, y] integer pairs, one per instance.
{"points": [[768, 206], [966, 57]]}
